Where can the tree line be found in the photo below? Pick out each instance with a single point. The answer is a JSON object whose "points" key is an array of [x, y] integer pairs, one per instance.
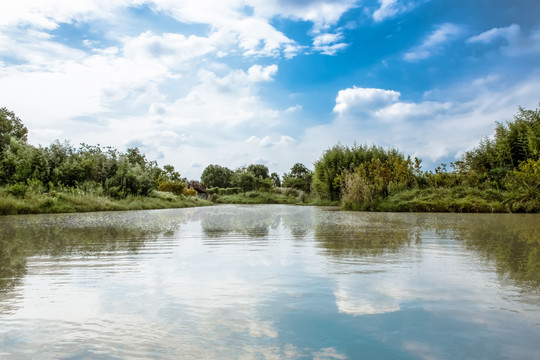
{"points": [[501, 174], [222, 180], [91, 168]]}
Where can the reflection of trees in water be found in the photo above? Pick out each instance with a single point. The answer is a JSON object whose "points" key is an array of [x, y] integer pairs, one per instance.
{"points": [[299, 220], [256, 220], [364, 234], [77, 234], [512, 241], [253, 221]]}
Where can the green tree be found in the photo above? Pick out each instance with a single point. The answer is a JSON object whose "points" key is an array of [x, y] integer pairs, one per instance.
{"points": [[217, 176], [135, 157], [374, 180], [327, 177], [275, 179], [523, 184], [244, 179], [300, 177], [11, 126], [259, 171], [514, 142]]}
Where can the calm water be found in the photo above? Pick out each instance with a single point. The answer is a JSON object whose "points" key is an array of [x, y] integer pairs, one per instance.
{"points": [[269, 282]]}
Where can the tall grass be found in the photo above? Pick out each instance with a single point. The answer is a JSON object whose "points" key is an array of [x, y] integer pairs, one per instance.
{"points": [[33, 202], [457, 199]]}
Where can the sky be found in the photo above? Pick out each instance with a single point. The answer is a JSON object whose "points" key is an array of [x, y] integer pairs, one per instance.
{"points": [[276, 82]]}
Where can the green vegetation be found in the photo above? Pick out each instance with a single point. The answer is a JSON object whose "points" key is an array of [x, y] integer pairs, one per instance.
{"points": [[217, 176], [61, 178], [75, 200], [300, 178], [288, 196], [500, 175]]}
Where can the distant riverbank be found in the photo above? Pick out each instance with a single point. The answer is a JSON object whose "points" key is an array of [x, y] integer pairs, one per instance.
{"points": [[455, 200]]}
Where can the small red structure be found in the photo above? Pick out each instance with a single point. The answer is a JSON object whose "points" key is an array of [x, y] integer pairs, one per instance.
{"points": [[198, 187]]}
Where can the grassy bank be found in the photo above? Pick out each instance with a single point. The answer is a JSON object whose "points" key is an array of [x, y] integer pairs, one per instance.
{"points": [[278, 196], [457, 199], [77, 201], [460, 199]]}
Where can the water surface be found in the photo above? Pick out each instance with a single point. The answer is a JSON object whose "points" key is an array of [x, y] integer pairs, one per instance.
{"points": [[269, 282]]}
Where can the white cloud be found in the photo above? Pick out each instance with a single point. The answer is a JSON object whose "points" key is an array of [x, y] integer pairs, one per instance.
{"points": [[391, 8], [322, 13], [432, 130], [515, 43], [227, 100], [388, 9], [258, 73], [328, 43], [173, 50], [267, 141], [355, 100], [254, 33], [326, 39], [508, 33], [434, 42], [48, 14]]}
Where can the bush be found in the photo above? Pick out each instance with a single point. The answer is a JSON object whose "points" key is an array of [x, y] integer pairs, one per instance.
{"points": [[189, 192], [48, 202], [18, 190], [175, 187]]}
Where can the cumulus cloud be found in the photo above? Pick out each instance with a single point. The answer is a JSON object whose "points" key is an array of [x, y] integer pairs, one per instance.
{"points": [[434, 42], [228, 100], [258, 73], [360, 100], [432, 130], [253, 34], [173, 50]]}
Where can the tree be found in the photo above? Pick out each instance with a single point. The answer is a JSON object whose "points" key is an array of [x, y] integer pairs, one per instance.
{"points": [[170, 174], [11, 126], [375, 179], [217, 176], [338, 159], [299, 177], [259, 171], [135, 157], [514, 142], [275, 179], [244, 179]]}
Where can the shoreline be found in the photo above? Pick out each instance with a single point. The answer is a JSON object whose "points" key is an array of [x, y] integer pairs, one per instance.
{"points": [[78, 202]]}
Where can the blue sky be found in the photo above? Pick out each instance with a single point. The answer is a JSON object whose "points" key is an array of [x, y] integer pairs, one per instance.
{"points": [[193, 83]]}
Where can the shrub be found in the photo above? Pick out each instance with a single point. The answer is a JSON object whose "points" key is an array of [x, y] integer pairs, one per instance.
{"points": [[175, 187], [18, 190], [189, 192]]}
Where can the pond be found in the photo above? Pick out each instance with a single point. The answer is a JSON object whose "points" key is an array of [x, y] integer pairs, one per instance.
{"points": [[269, 282]]}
